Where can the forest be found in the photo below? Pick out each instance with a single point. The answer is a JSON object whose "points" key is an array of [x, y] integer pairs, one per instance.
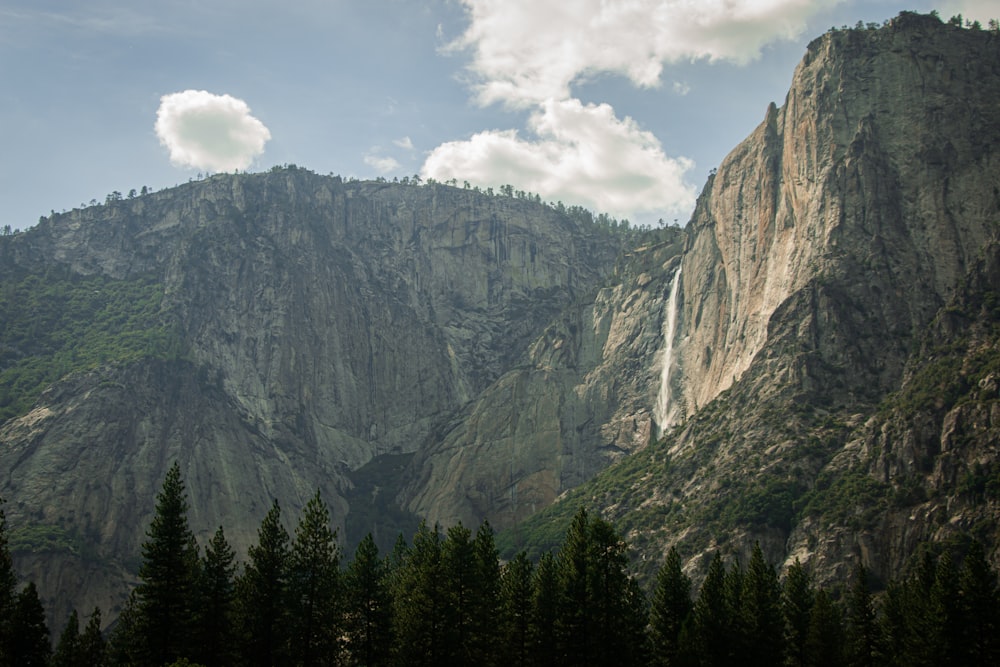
{"points": [[447, 599]]}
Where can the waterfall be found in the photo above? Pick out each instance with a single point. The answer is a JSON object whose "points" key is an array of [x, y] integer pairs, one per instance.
{"points": [[662, 411]]}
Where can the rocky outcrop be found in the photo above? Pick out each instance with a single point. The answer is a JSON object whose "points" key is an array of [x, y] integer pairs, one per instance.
{"points": [[583, 400], [318, 324], [817, 257], [872, 188]]}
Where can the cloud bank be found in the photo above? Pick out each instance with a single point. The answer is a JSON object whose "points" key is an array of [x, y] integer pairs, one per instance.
{"points": [[207, 131], [578, 154], [527, 55]]}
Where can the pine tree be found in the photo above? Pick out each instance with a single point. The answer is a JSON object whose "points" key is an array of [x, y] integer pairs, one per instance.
{"points": [[574, 632], [825, 641], [30, 636], [458, 576], [515, 610], [316, 598], [797, 598], [8, 593], [760, 613], [67, 653], [620, 613], [712, 623], [419, 602], [545, 604], [369, 605], [670, 609], [262, 595], [215, 633], [486, 597], [863, 637], [125, 643], [93, 648], [980, 608], [168, 575]]}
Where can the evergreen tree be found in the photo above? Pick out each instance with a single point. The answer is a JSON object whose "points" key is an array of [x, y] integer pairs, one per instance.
{"points": [[670, 609], [760, 614], [67, 653], [825, 641], [945, 609], [515, 610], [797, 597], [8, 593], [125, 643], [30, 636], [575, 635], [215, 635], [486, 598], [80, 649], [419, 602], [93, 648], [712, 629], [863, 637], [168, 577], [369, 617], [545, 602], [262, 595], [980, 609], [620, 613], [316, 598], [458, 570]]}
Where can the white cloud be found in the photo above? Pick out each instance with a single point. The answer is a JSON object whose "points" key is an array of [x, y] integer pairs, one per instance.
{"points": [[527, 55], [207, 131], [525, 52], [581, 154], [405, 143], [381, 164]]}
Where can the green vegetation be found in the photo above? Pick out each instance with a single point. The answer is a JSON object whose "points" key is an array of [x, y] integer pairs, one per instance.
{"points": [[448, 599], [41, 538], [58, 323]]}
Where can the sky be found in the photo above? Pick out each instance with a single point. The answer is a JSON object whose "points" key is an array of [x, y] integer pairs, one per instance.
{"points": [[621, 106]]}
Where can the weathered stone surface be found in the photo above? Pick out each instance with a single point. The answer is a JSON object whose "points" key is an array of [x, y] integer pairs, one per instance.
{"points": [[582, 401], [323, 323]]}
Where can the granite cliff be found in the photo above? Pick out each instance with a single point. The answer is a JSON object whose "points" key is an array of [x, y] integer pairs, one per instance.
{"points": [[834, 257], [310, 324]]}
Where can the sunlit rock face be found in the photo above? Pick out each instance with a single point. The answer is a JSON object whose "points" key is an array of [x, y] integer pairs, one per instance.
{"points": [[874, 186]]}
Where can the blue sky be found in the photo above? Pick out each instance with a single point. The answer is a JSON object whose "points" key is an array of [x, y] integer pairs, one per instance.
{"points": [[618, 106]]}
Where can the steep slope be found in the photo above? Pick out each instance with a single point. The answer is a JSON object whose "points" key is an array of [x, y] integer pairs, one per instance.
{"points": [[818, 255], [582, 401], [308, 325]]}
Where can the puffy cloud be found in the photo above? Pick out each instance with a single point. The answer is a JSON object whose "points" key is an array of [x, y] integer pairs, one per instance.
{"points": [[382, 164], [525, 51], [207, 131], [527, 54], [405, 143], [579, 154]]}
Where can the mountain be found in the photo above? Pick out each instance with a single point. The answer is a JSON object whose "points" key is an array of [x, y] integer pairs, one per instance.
{"points": [[809, 364], [835, 327], [271, 332]]}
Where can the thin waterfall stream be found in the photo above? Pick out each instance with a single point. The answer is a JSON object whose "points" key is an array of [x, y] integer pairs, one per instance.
{"points": [[662, 411]]}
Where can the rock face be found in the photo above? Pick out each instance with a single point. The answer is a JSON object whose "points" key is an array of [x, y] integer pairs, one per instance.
{"points": [[321, 324], [582, 401], [873, 188], [825, 263]]}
